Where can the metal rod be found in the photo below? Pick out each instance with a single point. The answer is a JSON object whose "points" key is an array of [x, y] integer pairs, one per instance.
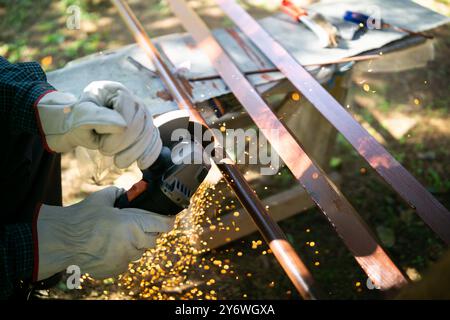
{"points": [[260, 71], [427, 207], [272, 233], [274, 236], [344, 218]]}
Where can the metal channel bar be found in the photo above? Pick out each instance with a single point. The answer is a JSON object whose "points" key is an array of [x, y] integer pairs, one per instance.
{"points": [[349, 225], [272, 233], [427, 207], [337, 61]]}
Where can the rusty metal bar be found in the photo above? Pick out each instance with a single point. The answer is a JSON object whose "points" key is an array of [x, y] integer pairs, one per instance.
{"points": [[337, 61], [428, 208], [349, 225], [272, 233]]}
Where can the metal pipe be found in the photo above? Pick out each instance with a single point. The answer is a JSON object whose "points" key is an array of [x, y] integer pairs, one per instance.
{"points": [[272, 233]]}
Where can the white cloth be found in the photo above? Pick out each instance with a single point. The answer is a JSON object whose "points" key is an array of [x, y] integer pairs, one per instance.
{"points": [[95, 236], [106, 117]]}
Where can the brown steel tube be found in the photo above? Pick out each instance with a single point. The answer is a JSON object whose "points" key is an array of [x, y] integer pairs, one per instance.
{"points": [[272, 233]]}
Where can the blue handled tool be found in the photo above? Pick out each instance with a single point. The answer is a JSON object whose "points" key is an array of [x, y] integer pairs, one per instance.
{"points": [[363, 20], [356, 17]]}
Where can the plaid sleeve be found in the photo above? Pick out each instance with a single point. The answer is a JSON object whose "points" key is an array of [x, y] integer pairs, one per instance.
{"points": [[16, 256], [21, 85]]}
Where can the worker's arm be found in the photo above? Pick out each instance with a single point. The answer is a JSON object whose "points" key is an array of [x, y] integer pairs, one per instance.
{"points": [[16, 255], [21, 87], [106, 117]]}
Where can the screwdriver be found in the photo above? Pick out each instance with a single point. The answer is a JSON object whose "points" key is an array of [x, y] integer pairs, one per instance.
{"points": [[314, 21]]}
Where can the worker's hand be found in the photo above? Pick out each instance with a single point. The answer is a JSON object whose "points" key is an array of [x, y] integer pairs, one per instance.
{"points": [[107, 117], [68, 122], [140, 141], [95, 236]]}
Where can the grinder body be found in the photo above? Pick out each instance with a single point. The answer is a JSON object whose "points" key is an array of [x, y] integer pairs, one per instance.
{"points": [[169, 183]]}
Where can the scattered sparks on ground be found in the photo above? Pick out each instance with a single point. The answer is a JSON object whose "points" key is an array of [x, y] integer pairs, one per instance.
{"points": [[177, 267], [295, 96], [366, 87], [255, 244], [162, 272]]}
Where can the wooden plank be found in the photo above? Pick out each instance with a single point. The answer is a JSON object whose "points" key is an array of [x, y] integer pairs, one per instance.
{"points": [[428, 208], [349, 225]]}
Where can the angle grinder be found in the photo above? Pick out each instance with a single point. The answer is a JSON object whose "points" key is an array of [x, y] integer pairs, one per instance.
{"points": [[169, 183]]}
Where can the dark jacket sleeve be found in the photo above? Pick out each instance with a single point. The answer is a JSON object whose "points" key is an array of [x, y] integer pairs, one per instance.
{"points": [[16, 257], [21, 86]]}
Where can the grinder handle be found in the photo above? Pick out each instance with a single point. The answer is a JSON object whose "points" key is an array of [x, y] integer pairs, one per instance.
{"points": [[125, 199], [152, 173]]}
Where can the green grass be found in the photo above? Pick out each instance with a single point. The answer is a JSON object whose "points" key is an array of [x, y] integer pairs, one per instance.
{"points": [[40, 31]]}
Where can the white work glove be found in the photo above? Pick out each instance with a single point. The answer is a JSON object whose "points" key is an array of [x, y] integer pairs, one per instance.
{"points": [[140, 141], [106, 118], [95, 236]]}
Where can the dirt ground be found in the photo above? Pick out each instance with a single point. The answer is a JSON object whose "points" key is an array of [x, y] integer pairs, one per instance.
{"points": [[423, 148]]}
